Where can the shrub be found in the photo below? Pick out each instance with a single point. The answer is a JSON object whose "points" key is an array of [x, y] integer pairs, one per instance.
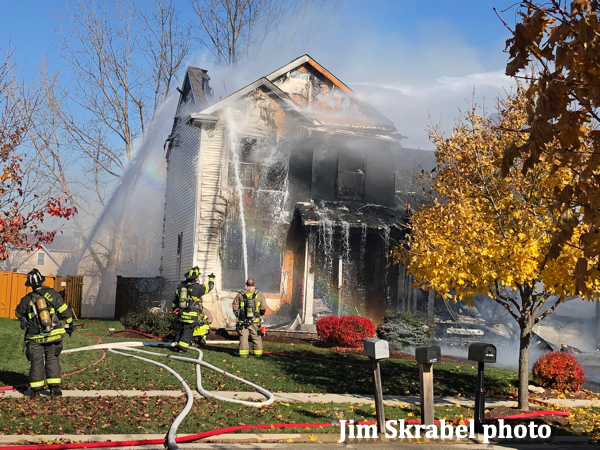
{"points": [[351, 330], [147, 322], [404, 329], [345, 331], [558, 370], [325, 326]]}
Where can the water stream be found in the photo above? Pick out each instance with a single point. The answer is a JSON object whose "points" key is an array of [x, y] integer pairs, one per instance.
{"points": [[234, 145]]}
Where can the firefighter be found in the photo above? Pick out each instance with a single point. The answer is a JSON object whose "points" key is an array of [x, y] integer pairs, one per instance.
{"points": [[203, 325], [40, 312], [248, 306], [187, 306]]}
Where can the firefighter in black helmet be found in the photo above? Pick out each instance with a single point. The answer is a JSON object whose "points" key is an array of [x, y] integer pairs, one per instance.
{"points": [[40, 312], [248, 305], [187, 306]]}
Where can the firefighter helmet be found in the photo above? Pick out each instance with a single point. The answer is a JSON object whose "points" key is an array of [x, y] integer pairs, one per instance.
{"points": [[34, 278], [193, 273]]}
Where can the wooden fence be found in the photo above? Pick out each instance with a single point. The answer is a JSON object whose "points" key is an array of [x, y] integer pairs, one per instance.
{"points": [[12, 289], [71, 289]]}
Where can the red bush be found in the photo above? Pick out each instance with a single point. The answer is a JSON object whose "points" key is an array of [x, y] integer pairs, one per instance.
{"points": [[325, 326], [345, 331], [558, 370]]}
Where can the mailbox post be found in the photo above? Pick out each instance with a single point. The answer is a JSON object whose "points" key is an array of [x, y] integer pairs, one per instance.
{"points": [[425, 357], [482, 353], [377, 349]]}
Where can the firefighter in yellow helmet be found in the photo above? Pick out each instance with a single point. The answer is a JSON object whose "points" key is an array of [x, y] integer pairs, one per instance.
{"points": [[248, 306], [40, 312], [187, 306]]}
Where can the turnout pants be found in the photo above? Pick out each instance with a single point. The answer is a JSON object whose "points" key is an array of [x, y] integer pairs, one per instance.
{"points": [[185, 334], [252, 331], [45, 363]]}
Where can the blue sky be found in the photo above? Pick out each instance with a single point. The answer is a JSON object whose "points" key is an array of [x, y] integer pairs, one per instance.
{"points": [[416, 61]]}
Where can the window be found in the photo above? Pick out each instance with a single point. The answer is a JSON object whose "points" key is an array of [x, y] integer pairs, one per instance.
{"points": [[246, 175], [253, 173], [246, 164], [351, 175], [41, 258]]}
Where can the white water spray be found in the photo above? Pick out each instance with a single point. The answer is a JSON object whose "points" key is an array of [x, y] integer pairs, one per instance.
{"points": [[234, 145], [386, 243], [346, 240], [123, 207]]}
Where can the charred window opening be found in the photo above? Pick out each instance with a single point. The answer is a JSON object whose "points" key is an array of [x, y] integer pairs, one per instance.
{"points": [[272, 177], [351, 176], [246, 166], [254, 175]]}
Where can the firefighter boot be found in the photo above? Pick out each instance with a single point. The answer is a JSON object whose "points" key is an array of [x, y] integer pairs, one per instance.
{"points": [[55, 391], [35, 393]]}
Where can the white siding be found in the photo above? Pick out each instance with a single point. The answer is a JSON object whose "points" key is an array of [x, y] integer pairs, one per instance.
{"points": [[180, 196], [211, 204]]}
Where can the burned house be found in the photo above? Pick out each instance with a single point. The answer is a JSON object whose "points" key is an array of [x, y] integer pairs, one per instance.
{"points": [[291, 180]]}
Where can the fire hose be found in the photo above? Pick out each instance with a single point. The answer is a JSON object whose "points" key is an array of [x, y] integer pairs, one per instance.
{"points": [[119, 347]]}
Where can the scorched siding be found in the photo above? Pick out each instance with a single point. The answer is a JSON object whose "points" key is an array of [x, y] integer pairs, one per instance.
{"points": [[180, 196], [211, 204]]}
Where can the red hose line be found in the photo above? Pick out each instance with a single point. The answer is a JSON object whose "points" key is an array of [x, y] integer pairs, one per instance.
{"points": [[193, 437], [98, 326], [18, 386], [93, 364], [131, 331], [144, 334], [206, 434]]}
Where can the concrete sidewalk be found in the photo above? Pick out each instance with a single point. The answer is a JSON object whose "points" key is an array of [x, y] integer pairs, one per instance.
{"points": [[391, 400]]}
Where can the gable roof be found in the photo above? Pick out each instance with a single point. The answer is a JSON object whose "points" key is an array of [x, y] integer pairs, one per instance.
{"points": [[369, 116], [262, 82]]}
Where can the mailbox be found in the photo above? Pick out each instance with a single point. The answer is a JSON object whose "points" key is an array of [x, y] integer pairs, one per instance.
{"points": [[376, 348], [480, 352], [428, 355]]}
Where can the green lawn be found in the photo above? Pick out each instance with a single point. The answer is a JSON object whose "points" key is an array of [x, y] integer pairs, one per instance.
{"points": [[154, 415], [276, 373]]}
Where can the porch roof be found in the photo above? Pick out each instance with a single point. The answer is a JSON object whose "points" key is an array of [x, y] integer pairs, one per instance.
{"points": [[356, 215]]}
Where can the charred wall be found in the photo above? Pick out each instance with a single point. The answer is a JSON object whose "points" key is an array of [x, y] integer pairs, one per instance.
{"points": [[353, 168]]}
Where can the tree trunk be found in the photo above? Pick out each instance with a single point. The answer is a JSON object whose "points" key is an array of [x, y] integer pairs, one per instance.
{"points": [[110, 272], [525, 341]]}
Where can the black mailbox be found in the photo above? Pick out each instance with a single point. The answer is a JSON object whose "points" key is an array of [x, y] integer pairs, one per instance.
{"points": [[480, 352], [428, 355]]}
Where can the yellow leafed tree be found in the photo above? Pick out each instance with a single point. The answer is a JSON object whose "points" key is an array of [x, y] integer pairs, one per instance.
{"points": [[555, 45], [490, 233]]}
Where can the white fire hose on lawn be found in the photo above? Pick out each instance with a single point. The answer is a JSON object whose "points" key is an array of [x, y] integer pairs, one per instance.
{"points": [[115, 347]]}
